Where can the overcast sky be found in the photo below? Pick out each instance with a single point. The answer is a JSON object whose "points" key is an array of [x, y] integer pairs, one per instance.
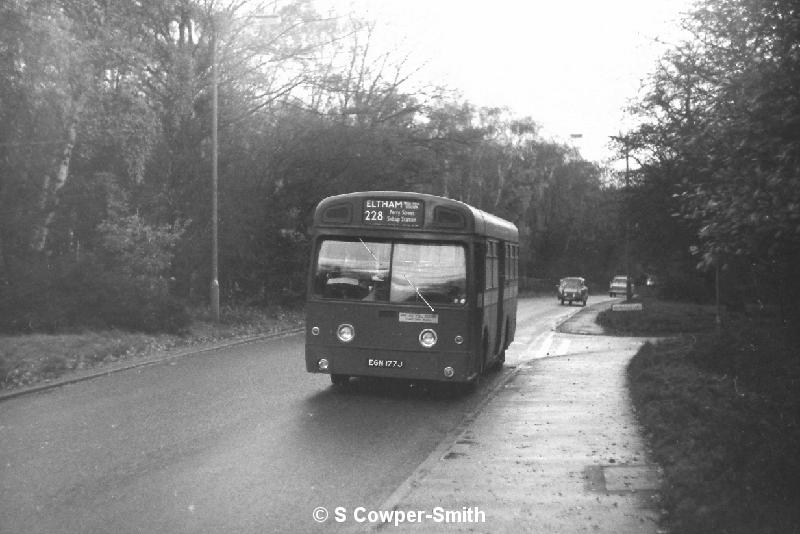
{"points": [[571, 65]]}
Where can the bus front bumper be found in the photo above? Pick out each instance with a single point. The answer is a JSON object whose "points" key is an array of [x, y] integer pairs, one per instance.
{"points": [[413, 365]]}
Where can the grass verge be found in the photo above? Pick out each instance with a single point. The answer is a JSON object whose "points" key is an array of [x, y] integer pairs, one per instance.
{"points": [[30, 359], [658, 318], [720, 411]]}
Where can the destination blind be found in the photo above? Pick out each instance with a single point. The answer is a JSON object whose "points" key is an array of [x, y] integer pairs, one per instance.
{"points": [[393, 212]]}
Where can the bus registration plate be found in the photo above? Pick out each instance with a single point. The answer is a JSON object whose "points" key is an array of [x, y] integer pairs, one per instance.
{"points": [[432, 318], [374, 362]]}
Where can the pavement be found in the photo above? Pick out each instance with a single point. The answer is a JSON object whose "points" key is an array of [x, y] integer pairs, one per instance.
{"points": [[555, 449]]}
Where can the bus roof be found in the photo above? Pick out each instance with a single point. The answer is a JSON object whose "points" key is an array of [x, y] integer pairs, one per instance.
{"points": [[412, 212]]}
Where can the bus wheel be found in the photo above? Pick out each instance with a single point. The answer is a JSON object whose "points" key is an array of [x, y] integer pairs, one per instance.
{"points": [[501, 359], [340, 380], [501, 356], [480, 364]]}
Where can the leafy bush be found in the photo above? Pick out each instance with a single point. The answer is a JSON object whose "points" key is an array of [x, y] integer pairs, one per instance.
{"points": [[686, 287], [86, 295], [122, 285], [29, 303], [721, 415], [123, 303]]}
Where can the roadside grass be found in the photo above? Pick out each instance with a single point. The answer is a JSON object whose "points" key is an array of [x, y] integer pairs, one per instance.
{"points": [[658, 318], [29, 359], [720, 412]]}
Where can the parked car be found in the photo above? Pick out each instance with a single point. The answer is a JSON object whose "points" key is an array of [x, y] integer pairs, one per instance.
{"points": [[618, 286], [573, 289]]}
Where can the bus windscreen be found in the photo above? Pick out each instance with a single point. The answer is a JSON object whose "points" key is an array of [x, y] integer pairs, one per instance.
{"points": [[391, 271]]}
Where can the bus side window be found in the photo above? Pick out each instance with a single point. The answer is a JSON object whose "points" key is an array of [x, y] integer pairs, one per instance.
{"points": [[513, 262], [492, 266], [496, 266], [488, 267], [480, 266], [493, 261]]}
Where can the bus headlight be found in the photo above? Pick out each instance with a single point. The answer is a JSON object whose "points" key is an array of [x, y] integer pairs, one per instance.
{"points": [[427, 338], [315, 330], [345, 333]]}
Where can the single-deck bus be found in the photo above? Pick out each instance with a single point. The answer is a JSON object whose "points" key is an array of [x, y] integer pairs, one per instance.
{"points": [[410, 286]]}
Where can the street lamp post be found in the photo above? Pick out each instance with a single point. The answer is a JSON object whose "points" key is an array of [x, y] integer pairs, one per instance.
{"points": [[214, 290], [626, 144], [214, 179], [628, 289]]}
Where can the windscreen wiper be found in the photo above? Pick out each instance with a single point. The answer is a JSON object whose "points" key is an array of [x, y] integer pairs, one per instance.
{"points": [[418, 293], [369, 250], [377, 276]]}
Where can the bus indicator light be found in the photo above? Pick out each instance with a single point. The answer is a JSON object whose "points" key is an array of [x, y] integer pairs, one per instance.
{"points": [[315, 331], [427, 338], [323, 364], [449, 372], [459, 340], [345, 333]]}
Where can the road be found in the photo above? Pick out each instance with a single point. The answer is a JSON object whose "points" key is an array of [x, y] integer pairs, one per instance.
{"points": [[240, 439]]}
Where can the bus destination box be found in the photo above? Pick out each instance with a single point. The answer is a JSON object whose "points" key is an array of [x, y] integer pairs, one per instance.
{"points": [[401, 213]]}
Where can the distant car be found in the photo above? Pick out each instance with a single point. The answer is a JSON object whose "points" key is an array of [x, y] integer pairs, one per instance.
{"points": [[561, 283], [618, 286], [573, 289]]}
